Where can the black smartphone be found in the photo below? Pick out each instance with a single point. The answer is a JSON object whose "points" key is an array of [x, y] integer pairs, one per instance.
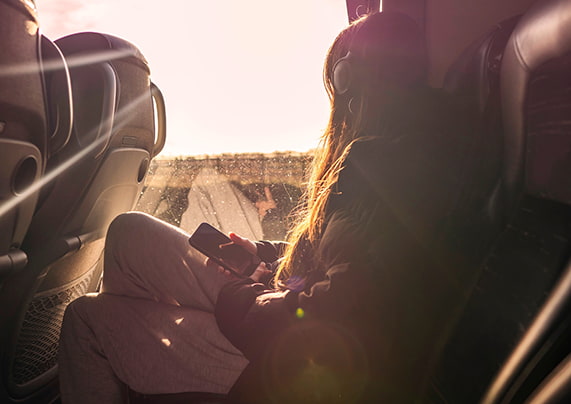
{"points": [[217, 246]]}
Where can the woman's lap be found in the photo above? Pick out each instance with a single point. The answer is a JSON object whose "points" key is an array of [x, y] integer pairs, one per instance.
{"points": [[159, 348], [150, 259]]}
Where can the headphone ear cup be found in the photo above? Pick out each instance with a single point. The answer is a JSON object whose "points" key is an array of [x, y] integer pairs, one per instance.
{"points": [[342, 75]]}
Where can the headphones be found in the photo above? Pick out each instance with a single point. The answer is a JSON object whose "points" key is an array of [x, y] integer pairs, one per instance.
{"points": [[344, 74]]}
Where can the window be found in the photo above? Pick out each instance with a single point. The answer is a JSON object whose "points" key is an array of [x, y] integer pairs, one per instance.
{"points": [[244, 97]]}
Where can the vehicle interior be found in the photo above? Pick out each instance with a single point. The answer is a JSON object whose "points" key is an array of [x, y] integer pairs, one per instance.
{"points": [[82, 126]]}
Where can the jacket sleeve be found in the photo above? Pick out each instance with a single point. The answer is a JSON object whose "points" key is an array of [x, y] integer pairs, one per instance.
{"points": [[270, 251], [252, 316]]}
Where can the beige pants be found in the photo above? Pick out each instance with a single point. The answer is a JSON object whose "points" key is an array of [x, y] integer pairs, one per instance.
{"points": [[152, 327]]}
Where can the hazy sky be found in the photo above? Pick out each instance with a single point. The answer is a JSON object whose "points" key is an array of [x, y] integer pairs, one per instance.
{"points": [[237, 75]]}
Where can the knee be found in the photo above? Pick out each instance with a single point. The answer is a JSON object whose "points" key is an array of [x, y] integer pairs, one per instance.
{"points": [[126, 225], [129, 232], [129, 222]]}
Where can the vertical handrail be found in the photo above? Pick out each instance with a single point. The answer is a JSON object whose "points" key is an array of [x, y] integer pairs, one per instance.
{"points": [[161, 135]]}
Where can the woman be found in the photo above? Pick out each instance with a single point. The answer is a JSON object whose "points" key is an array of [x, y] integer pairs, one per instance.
{"points": [[368, 287]]}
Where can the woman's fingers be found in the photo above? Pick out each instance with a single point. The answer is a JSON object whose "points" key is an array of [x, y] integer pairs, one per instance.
{"points": [[260, 272], [248, 244], [214, 266]]}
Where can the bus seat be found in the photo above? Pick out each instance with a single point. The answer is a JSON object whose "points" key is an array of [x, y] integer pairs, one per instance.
{"points": [[96, 175], [100, 171], [535, 88], [530, 254], [474, 79], [475, 73], [536, 100], [23, 128]]}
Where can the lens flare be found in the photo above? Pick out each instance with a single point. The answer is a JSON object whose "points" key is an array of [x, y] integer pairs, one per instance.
{"points": [[316, 361], [72, 61]]}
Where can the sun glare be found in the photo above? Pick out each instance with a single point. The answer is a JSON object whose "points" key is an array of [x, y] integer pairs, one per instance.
{"points": [[237, 76], [69, 164]]}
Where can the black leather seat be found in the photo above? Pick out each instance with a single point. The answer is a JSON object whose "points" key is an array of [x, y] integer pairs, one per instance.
{"points": [[98, 174], [536, 102], [474, 79], [530, 254]]}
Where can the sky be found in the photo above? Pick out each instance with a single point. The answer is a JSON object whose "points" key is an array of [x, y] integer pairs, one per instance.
{"points": [[237, 75]]}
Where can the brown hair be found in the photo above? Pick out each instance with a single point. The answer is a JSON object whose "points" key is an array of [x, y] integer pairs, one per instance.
{"points": [[389, 50]]}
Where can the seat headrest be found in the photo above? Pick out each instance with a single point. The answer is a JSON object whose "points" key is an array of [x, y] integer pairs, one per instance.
{"points": [[475, 73], [542, 34], [104, 46]]}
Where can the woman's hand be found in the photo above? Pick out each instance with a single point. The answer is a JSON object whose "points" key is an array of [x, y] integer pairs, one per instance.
{"points": [[261, 270], [214, 266], [261, 273]]}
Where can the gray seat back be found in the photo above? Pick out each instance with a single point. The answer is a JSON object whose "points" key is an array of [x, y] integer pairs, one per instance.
{"points": [[97, 174], [23, 128]]}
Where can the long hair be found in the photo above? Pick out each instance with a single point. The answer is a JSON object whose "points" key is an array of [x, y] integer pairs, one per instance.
{"points": [[388, 53]]}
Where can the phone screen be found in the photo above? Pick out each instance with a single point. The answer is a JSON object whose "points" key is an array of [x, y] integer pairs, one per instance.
{"points": [[218, 246]]}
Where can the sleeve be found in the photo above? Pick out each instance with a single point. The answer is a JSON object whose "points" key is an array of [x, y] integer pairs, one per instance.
{"points": [[252, 317], [270, 251]]}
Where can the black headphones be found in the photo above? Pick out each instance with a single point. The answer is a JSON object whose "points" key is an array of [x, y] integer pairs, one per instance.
{"points": [[343, 74], [350, 75]]}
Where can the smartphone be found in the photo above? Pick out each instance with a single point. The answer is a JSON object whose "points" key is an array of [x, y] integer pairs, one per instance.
{"points": [[217, 246]]}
